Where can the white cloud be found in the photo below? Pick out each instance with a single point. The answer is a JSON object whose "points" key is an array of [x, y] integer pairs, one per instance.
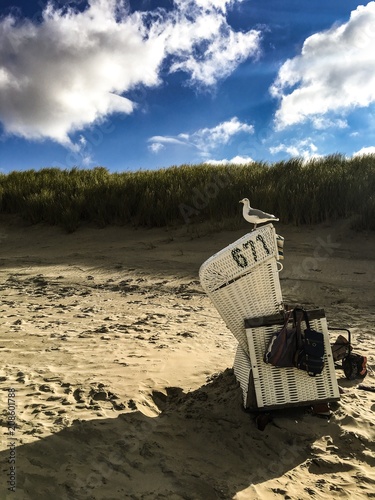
{"points": [[73, 69], [237, 160], [323, 122], [221, 57], [161, 139], [211, 138], [334, 73], [207, 139], [305, 149], [156, 147], [365, 151], [206, 4]]}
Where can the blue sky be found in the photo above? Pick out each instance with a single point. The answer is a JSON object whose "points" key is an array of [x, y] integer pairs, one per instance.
{"points": [[152, 83]]}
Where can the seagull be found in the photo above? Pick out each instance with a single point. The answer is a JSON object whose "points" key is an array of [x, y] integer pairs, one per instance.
{"points": [[254, 215]]}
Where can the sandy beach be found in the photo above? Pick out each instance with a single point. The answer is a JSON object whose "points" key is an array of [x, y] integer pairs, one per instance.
{"points": [[121, 369]]}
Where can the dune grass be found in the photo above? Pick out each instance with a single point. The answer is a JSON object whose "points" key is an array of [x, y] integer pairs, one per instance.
{"points": [[297, 192]]}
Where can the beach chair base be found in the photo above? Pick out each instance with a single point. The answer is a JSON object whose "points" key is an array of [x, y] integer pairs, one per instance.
{"points": [[266, 387]]}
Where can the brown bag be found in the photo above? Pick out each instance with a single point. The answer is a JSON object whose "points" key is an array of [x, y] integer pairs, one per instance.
{"points": [[282, 346], [340, 348]]}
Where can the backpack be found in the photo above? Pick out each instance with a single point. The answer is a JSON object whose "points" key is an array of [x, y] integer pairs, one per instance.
{"points": [[310, 351], [354, 366]]}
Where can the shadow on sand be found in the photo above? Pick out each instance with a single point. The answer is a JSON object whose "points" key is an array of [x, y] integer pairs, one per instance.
{"points": [[201, 446]]}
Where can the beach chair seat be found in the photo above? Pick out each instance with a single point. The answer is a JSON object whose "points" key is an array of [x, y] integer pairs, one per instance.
{"points": [[266, 387]]}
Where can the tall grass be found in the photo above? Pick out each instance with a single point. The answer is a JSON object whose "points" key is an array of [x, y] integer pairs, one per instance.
{"points": [[299, 193]]}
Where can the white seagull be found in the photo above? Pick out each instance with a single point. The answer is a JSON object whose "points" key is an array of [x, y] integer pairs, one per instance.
{"points": [[254, 215]]}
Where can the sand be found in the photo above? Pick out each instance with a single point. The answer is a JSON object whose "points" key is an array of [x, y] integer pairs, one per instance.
{"points": [[122, 369]]}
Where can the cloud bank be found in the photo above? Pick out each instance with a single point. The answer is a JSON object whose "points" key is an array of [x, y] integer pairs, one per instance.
{"points": [[365, 151], [304, 149], [334, 73], [236, 160], [74, 68]]}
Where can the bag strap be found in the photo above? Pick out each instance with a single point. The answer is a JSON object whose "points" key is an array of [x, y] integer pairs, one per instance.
{"points": [[297, 319], [303, 313], [287, 316], [306, 318]]}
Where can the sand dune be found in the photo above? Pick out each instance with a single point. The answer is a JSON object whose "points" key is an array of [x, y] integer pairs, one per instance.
{"points": [[121, 368]]}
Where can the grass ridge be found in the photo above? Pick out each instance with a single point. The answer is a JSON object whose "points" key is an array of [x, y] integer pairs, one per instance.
{"points": [[298, 192]]}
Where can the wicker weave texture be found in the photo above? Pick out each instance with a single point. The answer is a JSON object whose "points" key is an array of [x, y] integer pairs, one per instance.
{"points": [[239, 258], [242, 368], [288, 386], [256, 294]]}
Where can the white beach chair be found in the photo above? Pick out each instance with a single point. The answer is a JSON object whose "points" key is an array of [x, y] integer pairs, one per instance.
{"points": [[242, 280]]}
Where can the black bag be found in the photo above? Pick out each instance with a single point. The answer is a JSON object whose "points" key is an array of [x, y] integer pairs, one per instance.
{"points": [[310, 353], [282, 346], [354, 366]]}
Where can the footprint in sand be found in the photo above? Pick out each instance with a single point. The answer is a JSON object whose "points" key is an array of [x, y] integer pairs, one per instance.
{"points": [[45, 388], [78, 395], [99, 393], [21, 377]]}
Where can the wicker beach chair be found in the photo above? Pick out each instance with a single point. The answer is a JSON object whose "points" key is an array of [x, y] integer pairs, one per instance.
{"points": [[242, 281]]}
